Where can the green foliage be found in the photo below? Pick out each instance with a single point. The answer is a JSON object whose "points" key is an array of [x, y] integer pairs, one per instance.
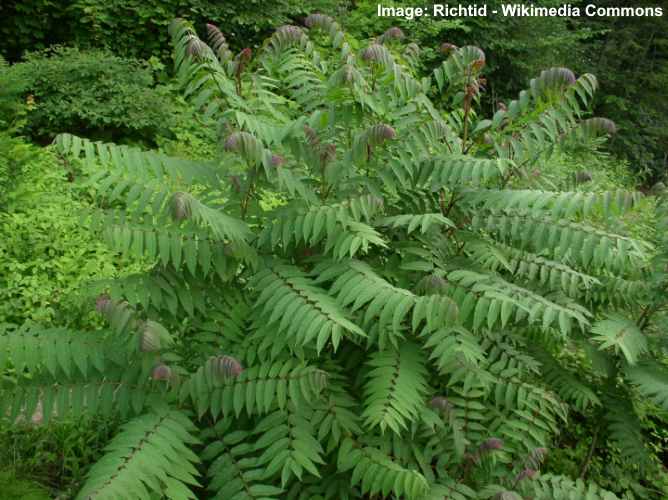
{"points": [[46, 255], [15, 155], [13, 487], [91, 92], [632, 62], [362, 295], [517, 47], [629, 55], [11, 87], [56, 455], [138, 28], [150, 453], [608, 467]]}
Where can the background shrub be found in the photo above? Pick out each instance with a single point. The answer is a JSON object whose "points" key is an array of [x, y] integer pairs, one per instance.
{"points": [[12, 487], [41, 462], [14, 155], [46, 255], [12, 85], [93, 92], [138, 28]]}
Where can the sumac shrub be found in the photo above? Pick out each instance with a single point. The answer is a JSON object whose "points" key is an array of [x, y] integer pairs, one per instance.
{"points": [[365, 295]]}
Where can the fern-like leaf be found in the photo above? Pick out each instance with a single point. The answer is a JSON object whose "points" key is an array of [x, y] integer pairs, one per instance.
{"points": [[290, 300], [622, 334], [257, 389], [651, 380], [396, 387], [376, 473], [150, 454]]}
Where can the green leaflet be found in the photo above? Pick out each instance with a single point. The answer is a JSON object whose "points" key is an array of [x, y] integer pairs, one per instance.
{"points": [[488, 300], [234, 469], [291, 301], [651, 380], [378, 474], [621, 334], [395, 388], [258, 389], [549, 486], [159, 442], [81, 353]]}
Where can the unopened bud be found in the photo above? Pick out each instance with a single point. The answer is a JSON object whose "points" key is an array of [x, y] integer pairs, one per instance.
{"points": [[226, 366], [103, 303], [161, 372], [277, 160], [440, 403], [446, 47], [525, 474], [491, 444]]}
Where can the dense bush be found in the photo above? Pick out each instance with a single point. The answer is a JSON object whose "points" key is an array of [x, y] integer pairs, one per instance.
{"points": [[12, 487], [11, 88], [631, 56], [14, 153], [46, 255], [137, 28], [608, 465], [55, 456], [91, 92]]}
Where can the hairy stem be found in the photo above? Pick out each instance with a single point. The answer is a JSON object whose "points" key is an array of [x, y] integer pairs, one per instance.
{"points": [[585, 464], [467, 109], [247, 197]]}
